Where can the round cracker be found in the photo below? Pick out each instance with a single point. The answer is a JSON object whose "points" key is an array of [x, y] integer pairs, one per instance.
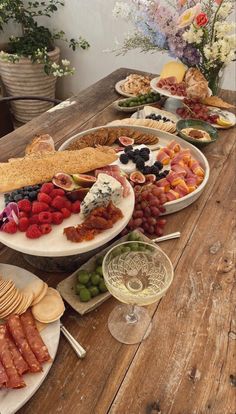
{"points": [[8, 300], [50, 308], [41, 295], [40, 325], [35, 287], [11, 308], [51, 321], [24, 304], [6, 286], [52, 291]]}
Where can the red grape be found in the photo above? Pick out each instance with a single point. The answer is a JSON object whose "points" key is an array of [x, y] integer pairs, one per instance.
{"points": [[138, 214], [138, 222]]}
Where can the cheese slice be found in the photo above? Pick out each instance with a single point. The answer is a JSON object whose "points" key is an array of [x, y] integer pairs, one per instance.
{"points": [[173, 68]]}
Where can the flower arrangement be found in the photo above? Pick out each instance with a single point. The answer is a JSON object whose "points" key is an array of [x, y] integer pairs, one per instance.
{"points": [[197, 33], [36, 41]]}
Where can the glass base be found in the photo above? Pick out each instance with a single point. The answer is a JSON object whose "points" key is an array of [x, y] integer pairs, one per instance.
{"points": [[126, 329]]}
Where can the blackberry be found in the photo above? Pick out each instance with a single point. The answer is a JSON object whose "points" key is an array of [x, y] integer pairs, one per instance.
{"points": [[124, 159], [145, 156], [140, 164], [158, 164], [161, 175], [165, 172], [128, 148], [146, 170], [154, 170], [130, 154]]}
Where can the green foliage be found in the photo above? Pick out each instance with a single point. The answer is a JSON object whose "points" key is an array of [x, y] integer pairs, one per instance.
{"points": [[35, 40]]}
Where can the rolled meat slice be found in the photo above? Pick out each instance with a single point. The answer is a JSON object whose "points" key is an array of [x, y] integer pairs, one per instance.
{"points": [[17, 333], [19, 362], [3, 376], [33, 337], [14, 379]]}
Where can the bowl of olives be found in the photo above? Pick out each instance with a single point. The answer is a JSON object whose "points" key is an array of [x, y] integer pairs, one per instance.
{"points": [[137, 102]]}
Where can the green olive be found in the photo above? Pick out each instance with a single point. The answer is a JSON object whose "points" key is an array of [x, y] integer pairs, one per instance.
{"points": [[94, 291], [95, 279], [98, 270], [78, 288], [134, 247], [83, 276], [84, 295], [102, 287], [99, 260]]}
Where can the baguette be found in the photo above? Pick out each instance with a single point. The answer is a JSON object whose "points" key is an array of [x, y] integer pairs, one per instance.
{"points": [[32, 170]]}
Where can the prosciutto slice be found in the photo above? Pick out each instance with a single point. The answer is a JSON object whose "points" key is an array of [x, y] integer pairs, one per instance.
{"points": [[34, 339], [19, 362], [14, 380], [17, 333]]}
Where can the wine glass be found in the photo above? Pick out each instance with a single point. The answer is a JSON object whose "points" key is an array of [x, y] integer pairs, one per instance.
{"points": [[135, 273]]}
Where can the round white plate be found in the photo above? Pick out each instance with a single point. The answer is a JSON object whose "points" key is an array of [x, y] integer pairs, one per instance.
{"points": [[12, 400], [55, 244], [164, 92], [164, 139], [118, 88], [157, 111]]}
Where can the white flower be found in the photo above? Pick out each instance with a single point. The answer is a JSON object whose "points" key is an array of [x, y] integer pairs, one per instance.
{"points": [[225, 10], [65, 62], [193, 35], [221, 29], [122, 10], [55, 65]]}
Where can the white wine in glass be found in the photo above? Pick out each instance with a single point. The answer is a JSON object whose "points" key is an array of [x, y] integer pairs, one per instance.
{"points": [[137, 274]]}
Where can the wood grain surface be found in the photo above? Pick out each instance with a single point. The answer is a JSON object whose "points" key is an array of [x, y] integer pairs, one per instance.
{"points": [[187, 365]]}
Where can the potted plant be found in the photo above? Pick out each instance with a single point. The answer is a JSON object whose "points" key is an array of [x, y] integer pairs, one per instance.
{"points": [[30, 63]]}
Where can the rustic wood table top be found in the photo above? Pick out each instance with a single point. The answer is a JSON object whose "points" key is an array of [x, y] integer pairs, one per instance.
{"points": [[187, 364]]}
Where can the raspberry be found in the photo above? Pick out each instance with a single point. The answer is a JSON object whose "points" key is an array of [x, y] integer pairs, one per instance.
{"points": [[45, 228], [38, 206], [10, 227], [33, 232], [34, 219], [44, 198], [23, 223], [45, 217], [57, 217], [66, 213], [24, 205], [68, 204], [75, 208], [47, 188], [57, 192], [22, 214], [58, 202]]}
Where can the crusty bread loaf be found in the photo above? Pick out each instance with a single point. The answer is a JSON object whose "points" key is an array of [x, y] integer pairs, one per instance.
{"points": [[32, 170], [40, 143]]}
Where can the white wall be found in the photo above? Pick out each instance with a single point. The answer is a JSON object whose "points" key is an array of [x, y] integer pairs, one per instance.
{"points": [[93, 19]]}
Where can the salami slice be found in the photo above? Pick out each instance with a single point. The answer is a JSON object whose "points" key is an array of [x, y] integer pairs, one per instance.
{"points": [[17, 333], [33, 337], [19, 362], [14, 379], [3, 376]]}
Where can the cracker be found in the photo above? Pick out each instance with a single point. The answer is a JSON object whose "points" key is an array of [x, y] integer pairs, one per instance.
{"points": [[49, 309], [41, 294], [34, 287]]}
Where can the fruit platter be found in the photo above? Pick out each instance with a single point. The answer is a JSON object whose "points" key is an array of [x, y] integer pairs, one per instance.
{"points": [[27, 346]]}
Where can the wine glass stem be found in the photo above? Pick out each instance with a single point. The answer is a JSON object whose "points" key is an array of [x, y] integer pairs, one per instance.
{"points": [[131, 317]]}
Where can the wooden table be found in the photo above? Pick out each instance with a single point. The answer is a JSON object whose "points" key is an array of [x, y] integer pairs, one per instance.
{"points": [[187, 364]]}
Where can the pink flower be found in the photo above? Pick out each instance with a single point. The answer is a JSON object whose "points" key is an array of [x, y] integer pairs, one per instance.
{"points": [[182, 2], [201, 19], [188, 16], [218, 2]]}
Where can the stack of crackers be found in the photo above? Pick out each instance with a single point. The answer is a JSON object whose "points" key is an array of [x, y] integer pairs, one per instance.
{"points": [[149, 123], [46, 303]]}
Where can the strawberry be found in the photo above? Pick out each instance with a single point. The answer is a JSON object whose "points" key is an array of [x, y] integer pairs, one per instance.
{"points": [[75, 208], [66, 213], [57, 192], [45, 228], [44, 198], [58, 202], [38, 206], [47, 188], [45, 217], [10, 227], [24, 205], [33, 232], [23, 223], [57, 217]]}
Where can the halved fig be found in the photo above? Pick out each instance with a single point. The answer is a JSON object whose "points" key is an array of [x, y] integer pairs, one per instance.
{"points": [[125, 141], [84, 180], [64, 181], [78, 194], [150, 178], [137, 177]]}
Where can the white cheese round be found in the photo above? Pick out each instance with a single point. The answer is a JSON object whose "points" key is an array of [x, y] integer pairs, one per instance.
{"points": [[130, 167]]}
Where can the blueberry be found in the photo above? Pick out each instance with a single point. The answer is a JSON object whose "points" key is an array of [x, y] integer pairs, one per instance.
{"points": [[124, 159], [32, 195], [10, 199], [158, 164], [28, 188], [18, 197]]}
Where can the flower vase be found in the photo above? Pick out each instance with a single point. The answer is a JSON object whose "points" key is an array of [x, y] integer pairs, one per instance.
{"points": [[214, 77]]}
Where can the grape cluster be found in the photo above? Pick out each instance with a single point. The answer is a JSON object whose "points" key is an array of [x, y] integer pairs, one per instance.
{"points": [[149, 202], [195, 110]]}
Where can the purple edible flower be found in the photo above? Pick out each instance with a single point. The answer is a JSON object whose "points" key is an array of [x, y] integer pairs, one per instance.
{"points": [[9, 213]]}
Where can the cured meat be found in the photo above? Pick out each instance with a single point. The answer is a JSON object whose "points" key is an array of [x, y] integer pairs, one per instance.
{"points": [[19, 362], [16, 331], [14, 379], [115, 172], [33, 337], [3, 376]]}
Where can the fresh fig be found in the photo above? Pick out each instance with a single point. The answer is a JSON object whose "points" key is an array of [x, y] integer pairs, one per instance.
{"points": [[150, 178], [64, 181], [137, 177], [84, 180], [78, 194], [125, 141]]}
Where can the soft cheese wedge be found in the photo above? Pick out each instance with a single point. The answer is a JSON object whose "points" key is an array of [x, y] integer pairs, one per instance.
{"points": [[173, 68]]}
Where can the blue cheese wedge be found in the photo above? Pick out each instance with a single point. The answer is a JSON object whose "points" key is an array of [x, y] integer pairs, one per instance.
{"points": [[105, 189]]}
